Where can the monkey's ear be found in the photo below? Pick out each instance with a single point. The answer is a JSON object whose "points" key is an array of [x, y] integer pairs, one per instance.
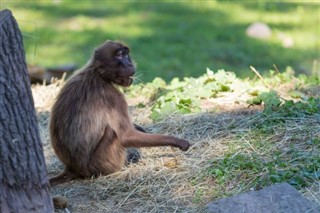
{"points": [[97, 56], [98, 53]]}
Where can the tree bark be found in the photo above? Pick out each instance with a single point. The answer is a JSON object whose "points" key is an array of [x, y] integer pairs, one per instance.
{"points": [[24, 185]]}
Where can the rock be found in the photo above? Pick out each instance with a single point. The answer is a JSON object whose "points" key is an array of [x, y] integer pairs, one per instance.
{"points": [[286, 40], [279, 198], [60, 202], [39, 74], [259, 30]]}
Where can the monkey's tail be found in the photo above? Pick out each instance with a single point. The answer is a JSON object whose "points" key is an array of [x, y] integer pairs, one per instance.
{"points": [[63, 177]]}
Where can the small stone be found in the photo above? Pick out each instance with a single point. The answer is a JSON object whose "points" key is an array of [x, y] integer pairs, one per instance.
{"points": [[259, 30], [60, 202]]}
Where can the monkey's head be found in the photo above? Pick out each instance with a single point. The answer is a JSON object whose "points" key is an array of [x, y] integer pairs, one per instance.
{"points": [[114, 63]]}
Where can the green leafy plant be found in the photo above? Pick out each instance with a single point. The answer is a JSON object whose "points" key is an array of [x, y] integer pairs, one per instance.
{"points": [[184, 96], [151, 90], [273, 103], [270, 99]]}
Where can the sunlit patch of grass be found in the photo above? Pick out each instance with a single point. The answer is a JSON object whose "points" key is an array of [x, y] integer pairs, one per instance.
{"points": [[172, 39], [84, 24]]}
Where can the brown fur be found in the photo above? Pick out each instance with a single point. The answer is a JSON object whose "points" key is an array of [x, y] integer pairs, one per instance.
{"points": [[90, 127]]}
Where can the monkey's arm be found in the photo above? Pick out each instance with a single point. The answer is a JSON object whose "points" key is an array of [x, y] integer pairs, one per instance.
{"points": [[139, 139]]}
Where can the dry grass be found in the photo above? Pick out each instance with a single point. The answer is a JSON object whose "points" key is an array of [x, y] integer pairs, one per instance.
{"points": [[166, 179]]}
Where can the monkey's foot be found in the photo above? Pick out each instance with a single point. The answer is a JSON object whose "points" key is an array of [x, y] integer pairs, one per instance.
{"points": [[133, 155]]}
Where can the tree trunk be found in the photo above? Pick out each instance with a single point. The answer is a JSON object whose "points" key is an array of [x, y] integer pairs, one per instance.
{"points": [[24, 185]]}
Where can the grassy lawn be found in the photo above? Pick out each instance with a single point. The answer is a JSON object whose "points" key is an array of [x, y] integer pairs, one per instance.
{"points": [[171, 39]]}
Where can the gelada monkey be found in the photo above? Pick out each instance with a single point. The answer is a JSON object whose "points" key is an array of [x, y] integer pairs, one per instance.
{"points": [[90, 128]]}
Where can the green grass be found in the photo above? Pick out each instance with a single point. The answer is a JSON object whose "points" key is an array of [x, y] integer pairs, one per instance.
{"points": [[171, 39], [281, 144], [287, 152]]}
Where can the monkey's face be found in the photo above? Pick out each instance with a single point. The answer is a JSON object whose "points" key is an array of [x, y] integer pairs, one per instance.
{"points": [[126, 68], [116, 64]]}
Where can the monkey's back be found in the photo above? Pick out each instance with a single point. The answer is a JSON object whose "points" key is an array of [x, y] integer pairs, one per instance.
{"points": [[79, 119]]}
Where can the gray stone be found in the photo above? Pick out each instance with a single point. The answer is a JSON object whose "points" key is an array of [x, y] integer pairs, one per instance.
{"points": [[259, 30], [279, 198]]}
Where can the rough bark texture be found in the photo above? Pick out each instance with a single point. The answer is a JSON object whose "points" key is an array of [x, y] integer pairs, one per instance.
{"points": [[24, 184]]}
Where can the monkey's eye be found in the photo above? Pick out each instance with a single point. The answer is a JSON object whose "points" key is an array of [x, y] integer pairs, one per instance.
{"points": [[119, 53], [122, 53]]}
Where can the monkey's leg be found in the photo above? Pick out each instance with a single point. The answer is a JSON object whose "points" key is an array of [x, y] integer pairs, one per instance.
{"points": [[63, 177], [109, 155]]}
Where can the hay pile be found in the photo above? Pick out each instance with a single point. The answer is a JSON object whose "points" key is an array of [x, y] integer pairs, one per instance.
{"points": [[166, 179]]}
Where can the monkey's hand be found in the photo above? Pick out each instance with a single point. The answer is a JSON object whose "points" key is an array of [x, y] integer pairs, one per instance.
{"points": [[183, 145]]}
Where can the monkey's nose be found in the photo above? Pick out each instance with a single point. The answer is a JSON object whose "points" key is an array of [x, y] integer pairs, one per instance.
{"points": [[130, 64], [132, 72]]}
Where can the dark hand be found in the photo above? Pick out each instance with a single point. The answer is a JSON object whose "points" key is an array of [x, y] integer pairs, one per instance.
{"points": [[184, 145]]}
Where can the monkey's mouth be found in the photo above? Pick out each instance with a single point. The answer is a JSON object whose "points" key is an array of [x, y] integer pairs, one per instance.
{"points": [[125, 81], [130, 78]]}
